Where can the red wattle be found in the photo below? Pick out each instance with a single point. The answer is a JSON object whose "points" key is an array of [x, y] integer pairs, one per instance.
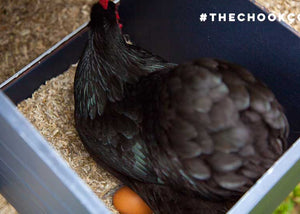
{"points": [[117, 15], [104, 3]]}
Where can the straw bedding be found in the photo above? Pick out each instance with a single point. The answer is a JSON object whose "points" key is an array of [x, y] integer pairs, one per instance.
{"points": [[30, 27], [284, 7], [51, 111]]}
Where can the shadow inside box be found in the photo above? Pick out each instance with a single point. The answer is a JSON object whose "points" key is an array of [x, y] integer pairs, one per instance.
{"points": [[270, 50]]}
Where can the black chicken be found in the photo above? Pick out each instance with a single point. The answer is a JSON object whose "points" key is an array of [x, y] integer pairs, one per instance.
{"points": [[188, 139]]}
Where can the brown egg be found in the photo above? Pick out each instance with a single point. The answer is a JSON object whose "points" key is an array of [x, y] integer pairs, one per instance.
{"points": [[127, 201]]}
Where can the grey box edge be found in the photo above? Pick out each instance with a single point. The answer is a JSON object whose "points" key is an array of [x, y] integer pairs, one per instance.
{"points": [[66, 178]]}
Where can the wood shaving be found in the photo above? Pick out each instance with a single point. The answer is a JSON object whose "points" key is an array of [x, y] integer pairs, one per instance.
{"points": [[51, 111]]}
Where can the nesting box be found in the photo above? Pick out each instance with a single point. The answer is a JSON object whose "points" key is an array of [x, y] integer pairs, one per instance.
{"points": [[36, 180]]}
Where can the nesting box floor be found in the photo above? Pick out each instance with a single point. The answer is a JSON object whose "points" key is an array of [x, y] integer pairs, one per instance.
{"points": [[51, 111]]}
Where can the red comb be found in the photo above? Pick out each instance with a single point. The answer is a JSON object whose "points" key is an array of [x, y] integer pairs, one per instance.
{"points": [[104, 3]]}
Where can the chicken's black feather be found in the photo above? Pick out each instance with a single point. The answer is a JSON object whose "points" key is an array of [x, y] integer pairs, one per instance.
{"points": [[188, 139]]}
